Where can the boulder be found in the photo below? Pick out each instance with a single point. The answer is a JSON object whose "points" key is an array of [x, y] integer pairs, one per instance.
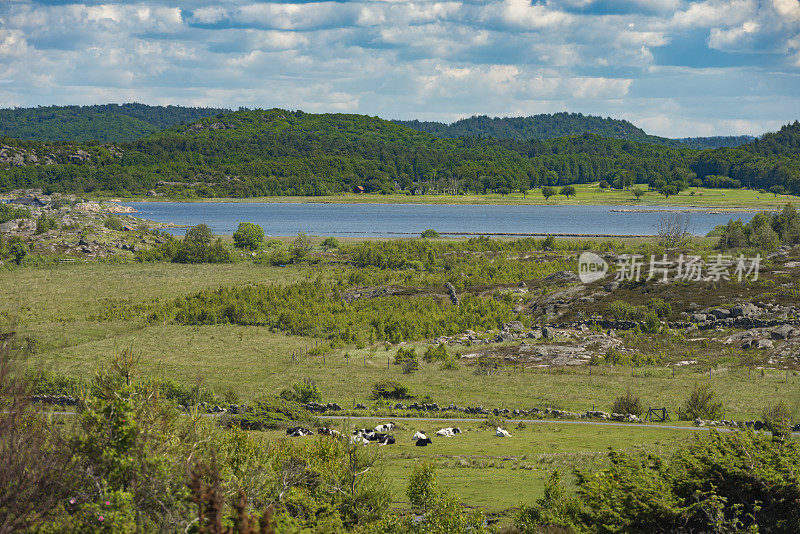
{"points": [[513, 326], [611, 286], [764, 344], [567, 277], [785, 331], [721, 313], [699, 317], [744, 310]]}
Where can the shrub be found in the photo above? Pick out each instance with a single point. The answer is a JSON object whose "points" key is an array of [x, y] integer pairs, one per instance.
{"points": [[404, 354], [661, 307], [629, 403], [422, 490], [329, 243], [389, 389], [623, 311], [113, 223], [249, 236], [200, 234], [554, 509], [10, 213], [777, 419], [435, 354], [549, 242], [45, 224], [306, 391], [18, 251], [409, 365], [702, 404], [430, 233], [270, 413]]}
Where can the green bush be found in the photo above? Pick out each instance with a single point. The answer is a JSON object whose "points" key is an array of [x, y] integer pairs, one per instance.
{"points": [[45, 224], [18, 251], [661, 307], [270, 413], [623, 311], [702, 404], [113, 223], [329, 243], [629, 403], [9, 212], [429, 233], [777, 419], [731, 482], [422, 485], [249, 236], [389, 389], [435, 354], [306, 391], [554, 509]]}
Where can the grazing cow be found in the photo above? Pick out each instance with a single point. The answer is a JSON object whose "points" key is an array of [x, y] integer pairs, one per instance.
{"points": [[424, 442], [384, 439], [385, 427], [419, 435], [325, 431], [500, 433], [298, 431], [448, 432]]}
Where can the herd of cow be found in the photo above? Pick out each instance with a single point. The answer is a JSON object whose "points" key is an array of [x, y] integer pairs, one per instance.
{"points": [[380, 436]]}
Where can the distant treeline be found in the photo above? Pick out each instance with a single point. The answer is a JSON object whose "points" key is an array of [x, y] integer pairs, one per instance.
{"points": [[550, 126], [105, 123], [279, 152]]}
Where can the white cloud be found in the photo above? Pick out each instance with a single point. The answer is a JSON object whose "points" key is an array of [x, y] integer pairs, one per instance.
{"points": [[422, 58]]}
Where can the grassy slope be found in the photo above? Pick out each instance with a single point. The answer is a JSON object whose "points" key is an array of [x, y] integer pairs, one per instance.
{"points": [[81, 313], [587, 194]]}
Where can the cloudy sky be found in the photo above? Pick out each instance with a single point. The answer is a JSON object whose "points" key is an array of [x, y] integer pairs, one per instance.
{"points": [[672, 67]]}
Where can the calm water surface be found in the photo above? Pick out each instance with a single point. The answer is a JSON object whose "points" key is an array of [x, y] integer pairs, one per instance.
{"points": [[386, 220]]}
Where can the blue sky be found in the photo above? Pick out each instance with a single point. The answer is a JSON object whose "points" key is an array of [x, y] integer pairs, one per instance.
{"points": [[673, 67]]}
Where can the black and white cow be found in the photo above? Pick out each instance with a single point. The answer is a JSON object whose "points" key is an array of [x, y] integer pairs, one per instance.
{"points": [[384, 439], [385, 427], [420, 439], [298, 431], [448, 432], [325, 431]]}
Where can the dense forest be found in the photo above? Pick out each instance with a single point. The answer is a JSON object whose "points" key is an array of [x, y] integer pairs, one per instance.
{"points": [[550, 126], [280, 152], [106, 123]]}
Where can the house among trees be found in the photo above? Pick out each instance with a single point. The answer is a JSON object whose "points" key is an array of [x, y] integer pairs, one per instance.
{"points": [[359, 189]]}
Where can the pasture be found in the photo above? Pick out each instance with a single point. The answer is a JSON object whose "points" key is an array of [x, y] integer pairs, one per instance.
{"points": [[76, 316], [500, 473]]}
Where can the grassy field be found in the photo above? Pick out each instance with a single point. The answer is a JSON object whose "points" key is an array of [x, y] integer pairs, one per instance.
{"points": [[587, 194], [500, 473], [78, 315]]}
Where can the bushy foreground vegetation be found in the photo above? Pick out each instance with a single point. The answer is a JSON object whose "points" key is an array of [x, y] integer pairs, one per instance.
{"points": [[737, 482], [129, 463]]}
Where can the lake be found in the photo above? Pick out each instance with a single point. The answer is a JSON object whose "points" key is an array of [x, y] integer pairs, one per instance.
{"points": [[388, 220]]}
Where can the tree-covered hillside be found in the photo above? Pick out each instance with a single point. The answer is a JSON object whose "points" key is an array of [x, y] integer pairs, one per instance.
{"points": [[550, 126], [105, 123], [280, 152]]}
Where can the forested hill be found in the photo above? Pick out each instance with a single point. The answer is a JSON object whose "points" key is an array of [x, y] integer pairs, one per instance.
{"points": [[551, 126], [104, 123], [280, 152]]}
